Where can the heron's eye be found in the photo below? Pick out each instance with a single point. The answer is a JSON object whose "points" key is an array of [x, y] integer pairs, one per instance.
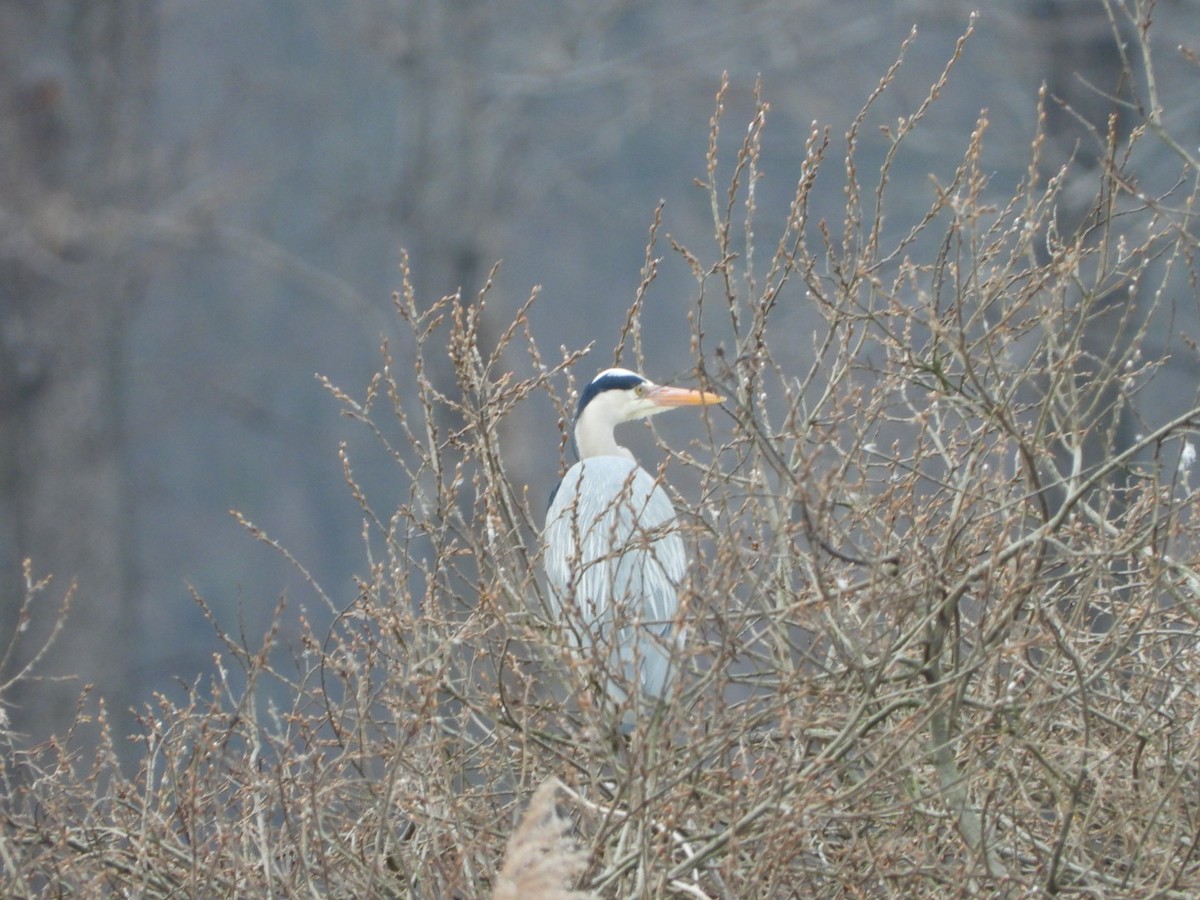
{"points": [[639, 390]]}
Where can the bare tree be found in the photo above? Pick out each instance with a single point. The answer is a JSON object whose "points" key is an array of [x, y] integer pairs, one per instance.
{"points": [[74, 87]]}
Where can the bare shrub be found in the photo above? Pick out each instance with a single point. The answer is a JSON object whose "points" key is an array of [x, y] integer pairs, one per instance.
{"points": [[943, 599]]}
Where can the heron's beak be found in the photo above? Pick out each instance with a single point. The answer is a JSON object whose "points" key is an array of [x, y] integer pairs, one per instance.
{"points": [[666, 397]]}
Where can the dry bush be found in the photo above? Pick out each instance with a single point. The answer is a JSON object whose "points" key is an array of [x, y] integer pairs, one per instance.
{"points": [[943, 600]]}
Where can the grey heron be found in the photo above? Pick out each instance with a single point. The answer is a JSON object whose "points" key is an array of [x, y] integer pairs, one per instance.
{"points": [[612, 556]]}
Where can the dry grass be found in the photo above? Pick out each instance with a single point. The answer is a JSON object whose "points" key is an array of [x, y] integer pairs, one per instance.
{"points": [[541, 861]]}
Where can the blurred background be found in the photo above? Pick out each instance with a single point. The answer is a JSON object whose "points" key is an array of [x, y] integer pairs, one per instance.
{"points": [[203, 205]]}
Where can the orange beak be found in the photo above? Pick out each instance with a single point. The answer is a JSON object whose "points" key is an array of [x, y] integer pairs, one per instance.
{"points": [[667, 397]]}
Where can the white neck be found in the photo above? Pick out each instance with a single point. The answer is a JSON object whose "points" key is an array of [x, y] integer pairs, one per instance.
{"points": [[599, 445], [594, 429]]}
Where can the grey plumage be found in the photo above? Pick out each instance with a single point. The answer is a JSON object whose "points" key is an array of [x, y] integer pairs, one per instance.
{"points": [[614, 560]]}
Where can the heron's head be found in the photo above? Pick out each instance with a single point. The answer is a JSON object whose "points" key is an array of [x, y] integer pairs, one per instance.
{"points": [[619, 395]]}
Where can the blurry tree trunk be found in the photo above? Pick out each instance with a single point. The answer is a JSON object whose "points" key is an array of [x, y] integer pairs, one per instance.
{"points": [[75, 80], [458, 131], [446, 199], [1085, 78], [1086, 83]]}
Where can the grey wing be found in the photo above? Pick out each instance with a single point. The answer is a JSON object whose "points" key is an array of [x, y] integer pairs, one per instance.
{"points": [[653, 570], [612, 554], [609, 538], [654, 562]]}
